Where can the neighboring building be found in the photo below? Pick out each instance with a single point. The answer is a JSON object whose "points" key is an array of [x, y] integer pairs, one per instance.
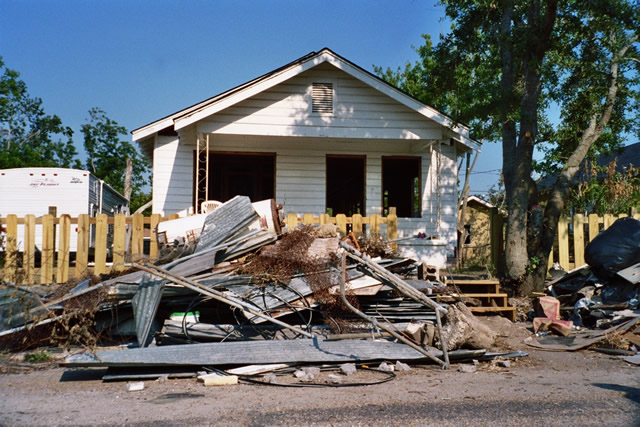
{"points": [[477, 221], [39, 191], [318, 135]]}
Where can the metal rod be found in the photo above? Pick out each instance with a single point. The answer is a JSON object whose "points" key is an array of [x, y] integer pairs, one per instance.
{"points": [[217, 295], [373, 321], [398, 283], [443, 339]]}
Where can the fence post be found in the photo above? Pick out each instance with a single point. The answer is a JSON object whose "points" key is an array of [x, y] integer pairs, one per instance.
{"points": [[82, 251], [119, 241], [48, 250], [11, 248], [307, 219], [63, 249], [101, 245], [497, 239], [29, 257], [137, 237], [608, 220]]}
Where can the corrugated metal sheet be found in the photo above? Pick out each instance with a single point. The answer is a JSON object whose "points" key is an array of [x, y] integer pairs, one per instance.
{"points": [[225, 221], [145, 305], [252, 352]]}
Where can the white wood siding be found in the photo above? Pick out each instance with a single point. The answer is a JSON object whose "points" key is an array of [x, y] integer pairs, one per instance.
{"points": [[285, 110], [279, 120]]}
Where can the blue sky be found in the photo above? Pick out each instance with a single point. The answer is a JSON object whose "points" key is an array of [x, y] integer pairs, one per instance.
{"points": [[142, 60]]}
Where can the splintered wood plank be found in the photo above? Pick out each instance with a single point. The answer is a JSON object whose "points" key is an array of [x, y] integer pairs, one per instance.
{"points": [[11, 246], [101, 245], [28, 261], [137, 238], [63, 249], [119, 241], [82, 249], [48, 250]]}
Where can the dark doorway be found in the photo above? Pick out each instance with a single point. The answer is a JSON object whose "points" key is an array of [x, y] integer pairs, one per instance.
{"points": [[345, 185], [251, 175], [401, 186]]}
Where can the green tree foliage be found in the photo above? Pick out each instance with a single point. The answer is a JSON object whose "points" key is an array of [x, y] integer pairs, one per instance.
{"points": [[504, 68], [29, 136], [107, 155]]}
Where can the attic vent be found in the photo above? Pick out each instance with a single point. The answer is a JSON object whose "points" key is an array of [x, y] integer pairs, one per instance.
{"points": [[322, 94]]}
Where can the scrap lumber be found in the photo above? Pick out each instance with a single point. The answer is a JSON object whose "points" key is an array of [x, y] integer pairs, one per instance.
{"points": [[252, 353]]}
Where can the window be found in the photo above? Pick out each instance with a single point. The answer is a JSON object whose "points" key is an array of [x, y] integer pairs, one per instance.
{"points": [[345, 185], [401, 186], [245, 174], [322, 98]]}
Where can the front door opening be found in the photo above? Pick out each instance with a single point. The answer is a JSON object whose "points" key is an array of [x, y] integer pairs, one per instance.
{"points": [[401, 186], [345, 185], [230, 175]]}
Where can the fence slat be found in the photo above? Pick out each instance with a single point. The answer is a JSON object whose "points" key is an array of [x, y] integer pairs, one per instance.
{"points": [[292, 221], [325, 219], [392, 230], [594, 226], [82, 251], [341, 222], [101, 245], [63, 249], [374, 225], [608, 220], [12, 248], [356, 224], [119, 241], [563, 243], [48, 250], [308, 219], [578, 239], [137, 238], [153, 247], [29, 256]]}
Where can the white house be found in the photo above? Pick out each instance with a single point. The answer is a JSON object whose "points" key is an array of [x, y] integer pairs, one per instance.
{"points": [[318, 135]]}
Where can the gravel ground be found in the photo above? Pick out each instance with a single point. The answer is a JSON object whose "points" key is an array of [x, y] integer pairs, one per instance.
{"points": [[546, 388]]}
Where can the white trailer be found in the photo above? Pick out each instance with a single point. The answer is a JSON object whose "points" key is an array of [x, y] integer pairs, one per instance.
{"points": [[39, 191]]}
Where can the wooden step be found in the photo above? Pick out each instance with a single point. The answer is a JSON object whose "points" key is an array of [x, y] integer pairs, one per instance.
{"points": [[508, 312]]}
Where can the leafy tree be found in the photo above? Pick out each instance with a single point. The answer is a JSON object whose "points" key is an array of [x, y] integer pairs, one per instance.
{"points": [[29, 136], [107, 156], [504, 67]]}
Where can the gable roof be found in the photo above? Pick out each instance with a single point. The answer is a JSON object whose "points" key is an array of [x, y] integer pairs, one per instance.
{"points": [[190, 115]]}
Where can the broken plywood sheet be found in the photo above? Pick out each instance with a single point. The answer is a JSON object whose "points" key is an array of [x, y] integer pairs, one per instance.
{"points": [[251, 353]]}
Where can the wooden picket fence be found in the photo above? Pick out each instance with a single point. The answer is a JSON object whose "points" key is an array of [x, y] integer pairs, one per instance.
{"points": [[114, 246], [573, 235]]}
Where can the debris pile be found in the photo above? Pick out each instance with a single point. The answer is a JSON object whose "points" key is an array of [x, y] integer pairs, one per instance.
{"points": [[595, 305], [232, 290]]}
